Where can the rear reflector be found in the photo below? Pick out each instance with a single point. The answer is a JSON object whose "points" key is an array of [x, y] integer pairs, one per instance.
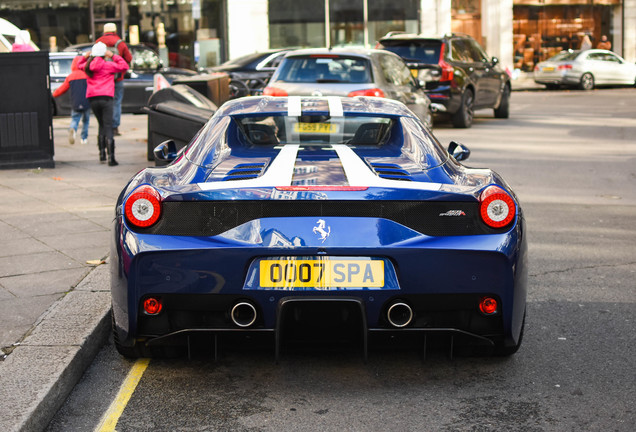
{"points": [[152, 305], [488, 306]]}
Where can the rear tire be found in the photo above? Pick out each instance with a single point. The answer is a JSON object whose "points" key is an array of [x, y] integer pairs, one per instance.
{"points": [[587, 81], [505, 351], [133, 352], [463, 117], [503, 111], [238, 89], [141, 350]]}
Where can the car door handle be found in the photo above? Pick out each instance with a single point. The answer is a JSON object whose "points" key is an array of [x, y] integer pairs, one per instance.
{"points": [[149, 89]]}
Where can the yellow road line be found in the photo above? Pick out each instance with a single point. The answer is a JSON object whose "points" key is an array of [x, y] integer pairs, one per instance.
{"points": [[116, 408]]}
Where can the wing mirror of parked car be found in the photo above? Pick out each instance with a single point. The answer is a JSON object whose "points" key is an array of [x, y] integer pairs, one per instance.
{"points": [[165, 152], [459, 151]]}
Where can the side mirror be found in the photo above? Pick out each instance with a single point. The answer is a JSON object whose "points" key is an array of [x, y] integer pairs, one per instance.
{"points": [[494, 61], [459, 151], [165, 153]]}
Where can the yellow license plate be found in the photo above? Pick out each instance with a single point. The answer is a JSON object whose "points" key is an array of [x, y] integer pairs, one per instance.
{"points": [[326, 128], [321, 273], [548, 69]]}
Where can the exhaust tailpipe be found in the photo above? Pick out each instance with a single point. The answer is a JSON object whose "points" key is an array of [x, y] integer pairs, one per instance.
{"points": [[399, 314], [243, 314]]}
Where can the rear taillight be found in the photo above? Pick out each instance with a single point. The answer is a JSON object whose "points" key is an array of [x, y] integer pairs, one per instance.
{"points": [[143, 206], [447, 69], [565, 66], [497, 207], [368, 92], [273, 91]]}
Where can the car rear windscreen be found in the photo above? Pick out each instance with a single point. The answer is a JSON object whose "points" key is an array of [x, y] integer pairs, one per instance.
{"points": [[325, 69], [318, 130], [565, 56], [415, 51]]}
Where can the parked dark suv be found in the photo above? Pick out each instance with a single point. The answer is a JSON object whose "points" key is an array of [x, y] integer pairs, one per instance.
{"points": [[458, 75]]}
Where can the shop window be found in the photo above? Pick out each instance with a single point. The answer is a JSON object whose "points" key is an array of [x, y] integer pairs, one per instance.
{"points": [[541, 32], [466, 18]]}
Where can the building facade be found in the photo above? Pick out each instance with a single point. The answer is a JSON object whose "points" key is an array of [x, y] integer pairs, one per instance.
{"points": [[207, 32]]}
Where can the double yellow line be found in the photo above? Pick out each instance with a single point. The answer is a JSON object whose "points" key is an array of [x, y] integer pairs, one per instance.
{"points": [[111, 417]]}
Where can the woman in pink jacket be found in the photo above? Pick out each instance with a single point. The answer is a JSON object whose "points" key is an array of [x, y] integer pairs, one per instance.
{"points": [[100, 89]]}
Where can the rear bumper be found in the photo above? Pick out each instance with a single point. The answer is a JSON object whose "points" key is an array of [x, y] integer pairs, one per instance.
{"points": [[441, 279]]}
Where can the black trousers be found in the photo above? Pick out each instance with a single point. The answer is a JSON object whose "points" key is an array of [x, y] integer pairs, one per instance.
{"points": [[102, 107]]}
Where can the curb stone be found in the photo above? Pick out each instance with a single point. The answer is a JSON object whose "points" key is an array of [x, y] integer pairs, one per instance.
{"points": [[63, 343]]}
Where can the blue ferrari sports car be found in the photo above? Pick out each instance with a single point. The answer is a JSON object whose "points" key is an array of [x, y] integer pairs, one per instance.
{"points": [[285, 212]]}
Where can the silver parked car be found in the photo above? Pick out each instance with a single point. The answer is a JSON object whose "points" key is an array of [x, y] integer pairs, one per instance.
{"points": [[349, 72], [585, 69]]}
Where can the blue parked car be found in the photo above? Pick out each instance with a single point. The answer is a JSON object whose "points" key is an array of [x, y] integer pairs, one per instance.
{"points": [[286, 213]]}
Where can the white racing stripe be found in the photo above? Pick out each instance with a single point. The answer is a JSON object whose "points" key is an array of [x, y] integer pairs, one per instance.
{"points": [[335, 106], [279, 173], [294, 106], [359, 174]]}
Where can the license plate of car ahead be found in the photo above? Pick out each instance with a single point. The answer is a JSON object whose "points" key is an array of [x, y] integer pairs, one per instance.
{"points": [[548, 69], [321, 273], [323, 128]]}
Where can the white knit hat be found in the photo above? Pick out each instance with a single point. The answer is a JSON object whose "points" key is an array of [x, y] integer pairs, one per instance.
{"points": [[99, 49], [23, 37], [110, 28]]}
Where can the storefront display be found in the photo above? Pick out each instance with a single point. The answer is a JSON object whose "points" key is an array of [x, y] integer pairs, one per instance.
{"points": [[543, 28]]}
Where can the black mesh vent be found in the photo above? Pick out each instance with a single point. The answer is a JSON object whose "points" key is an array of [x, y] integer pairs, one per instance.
{"points": [[211, 218], [391, 171]]}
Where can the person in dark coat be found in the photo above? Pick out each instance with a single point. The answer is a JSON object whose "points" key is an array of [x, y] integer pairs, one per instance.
{"points": [[112, 40], [80, 107]]}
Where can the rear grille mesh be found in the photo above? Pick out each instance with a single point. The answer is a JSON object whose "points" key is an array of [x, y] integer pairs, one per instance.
{"points": [[212, 218]]}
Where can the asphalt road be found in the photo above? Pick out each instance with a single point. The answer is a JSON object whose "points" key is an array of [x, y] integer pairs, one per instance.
{"points": [[571, 157]]}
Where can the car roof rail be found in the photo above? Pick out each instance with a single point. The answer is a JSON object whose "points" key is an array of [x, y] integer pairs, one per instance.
{"points": [[453, 34]]}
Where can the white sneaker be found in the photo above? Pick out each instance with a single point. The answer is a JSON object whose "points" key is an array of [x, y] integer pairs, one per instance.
{"points": [[71, 136], [84, 141]]}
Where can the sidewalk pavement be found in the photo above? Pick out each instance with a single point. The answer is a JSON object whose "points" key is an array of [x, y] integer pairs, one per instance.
{"points": [[54, 295]]}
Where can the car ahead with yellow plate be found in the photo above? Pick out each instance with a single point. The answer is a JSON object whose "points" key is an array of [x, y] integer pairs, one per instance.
{"points": [[340, 216]]}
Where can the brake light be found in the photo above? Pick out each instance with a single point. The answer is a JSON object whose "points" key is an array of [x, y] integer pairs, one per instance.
{"points": [[447, 69], [488, 305], [367, 92], [152, 305], [321, 188], [497, 208], [143, 206], [273, 91], [564, 66]]}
